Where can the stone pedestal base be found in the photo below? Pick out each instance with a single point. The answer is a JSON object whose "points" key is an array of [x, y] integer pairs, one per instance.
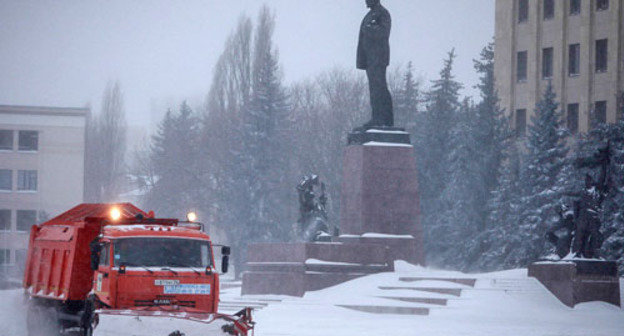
{"points": [[577, 281], [400, 247], [380, 197], [295, 268]]}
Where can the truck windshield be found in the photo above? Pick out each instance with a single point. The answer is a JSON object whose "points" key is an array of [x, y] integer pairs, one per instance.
{"points": [[162, 252]]}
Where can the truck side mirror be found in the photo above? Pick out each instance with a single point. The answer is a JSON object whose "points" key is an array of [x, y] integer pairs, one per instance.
{"points": [[225, 250], [95, 255], [225, 263]]}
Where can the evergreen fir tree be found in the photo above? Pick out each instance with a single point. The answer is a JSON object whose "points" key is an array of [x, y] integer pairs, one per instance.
{"points": [[407, 101], [493, 133], [174, 155], [498, 159], [432, 146], [461, 209], [265, 139], [544, 174], [499, 239]]}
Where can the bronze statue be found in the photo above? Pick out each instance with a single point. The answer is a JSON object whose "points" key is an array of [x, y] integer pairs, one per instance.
{"points": [[312, 223], [562, 233], [373, 55], [583, 237]]}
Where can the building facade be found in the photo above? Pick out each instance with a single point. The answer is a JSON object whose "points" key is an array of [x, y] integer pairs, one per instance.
{"points": [[574, 44], [42, 152]]}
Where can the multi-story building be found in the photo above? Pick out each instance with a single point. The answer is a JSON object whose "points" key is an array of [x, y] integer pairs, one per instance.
{"points": [[574, 44], [42, 153]]}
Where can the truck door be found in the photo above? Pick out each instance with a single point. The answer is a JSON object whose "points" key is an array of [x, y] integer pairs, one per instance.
{"points": [[101, 278]]}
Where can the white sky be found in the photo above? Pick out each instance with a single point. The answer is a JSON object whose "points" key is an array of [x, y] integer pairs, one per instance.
{"points": [[63, 52]]}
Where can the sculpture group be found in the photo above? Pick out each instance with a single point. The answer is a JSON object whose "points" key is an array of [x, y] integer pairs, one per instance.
{"points": [[578, 229], [312, 224]]}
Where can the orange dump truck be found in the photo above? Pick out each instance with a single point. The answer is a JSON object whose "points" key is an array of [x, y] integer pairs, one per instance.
{"points": [[116, 259]]}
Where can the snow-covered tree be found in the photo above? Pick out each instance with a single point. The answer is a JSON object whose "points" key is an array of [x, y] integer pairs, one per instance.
{"points": [[174, 157], [461, 204], [432, 145], [245, 139], [491, 126], [266, 136], [498, 239], [407, 100], [545, 175], [105, 167], [612, 215]]}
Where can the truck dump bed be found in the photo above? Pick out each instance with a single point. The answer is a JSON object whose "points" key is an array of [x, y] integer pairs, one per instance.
{"points": [[58, 262]]}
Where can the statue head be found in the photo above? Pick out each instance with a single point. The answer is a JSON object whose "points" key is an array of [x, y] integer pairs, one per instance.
{"points": [[372, 3], [589, 182]]}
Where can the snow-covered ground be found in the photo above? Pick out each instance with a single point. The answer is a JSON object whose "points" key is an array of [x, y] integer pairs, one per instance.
{"points": [[502, 303]]}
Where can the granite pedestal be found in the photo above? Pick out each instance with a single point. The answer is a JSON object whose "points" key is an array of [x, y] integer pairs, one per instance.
{"points": [[380, 202], [577, 281]]}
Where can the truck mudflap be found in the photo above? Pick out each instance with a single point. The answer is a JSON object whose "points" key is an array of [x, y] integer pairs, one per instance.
{"points": [[239, 324]]}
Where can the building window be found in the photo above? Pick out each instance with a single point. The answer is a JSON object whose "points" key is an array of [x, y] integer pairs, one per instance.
{"points": [[6, 140], [5, 220], [574, 59], [549, 9], [521, 70], [523, 11], [5, 256], [28, 140], [6, 180], [600, 113], [25, 219], [547, 63], [27, 180], [573, 118], [575, 7], [602, 55], [521, 122], [20, 257], [602, 5]]}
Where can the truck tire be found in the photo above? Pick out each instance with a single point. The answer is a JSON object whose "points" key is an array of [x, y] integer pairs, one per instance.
{"points": [[41, 320], [89, 318]]}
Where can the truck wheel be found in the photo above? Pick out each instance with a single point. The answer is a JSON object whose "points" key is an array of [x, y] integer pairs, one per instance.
{"points": [[41, 321], [88, 330], [90, 318]]}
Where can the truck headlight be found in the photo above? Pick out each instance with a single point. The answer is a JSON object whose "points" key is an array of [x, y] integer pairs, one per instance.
{"points": [[115, 214], [191, 216]]}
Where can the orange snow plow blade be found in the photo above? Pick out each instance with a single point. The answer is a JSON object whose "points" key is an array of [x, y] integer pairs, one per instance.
{"points": [[239, 324]]}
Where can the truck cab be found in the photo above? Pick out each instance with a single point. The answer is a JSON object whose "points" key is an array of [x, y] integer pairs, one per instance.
{"points": [[151, 267]]}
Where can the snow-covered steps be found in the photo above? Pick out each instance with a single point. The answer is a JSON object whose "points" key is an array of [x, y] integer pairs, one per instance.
{"points": [[513, 285], [439, 290], [393, 310], [461, 281], [230, 284], [424, 300], [390, 296]]}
